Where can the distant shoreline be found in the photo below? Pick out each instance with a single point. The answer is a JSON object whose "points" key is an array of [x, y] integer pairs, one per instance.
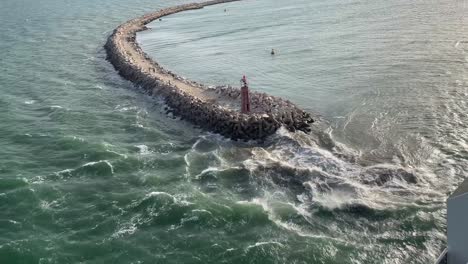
{"points": [[216, 110]]}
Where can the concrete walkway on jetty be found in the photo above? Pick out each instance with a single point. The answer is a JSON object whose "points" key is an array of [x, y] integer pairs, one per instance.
{"points": [[214, 109]]}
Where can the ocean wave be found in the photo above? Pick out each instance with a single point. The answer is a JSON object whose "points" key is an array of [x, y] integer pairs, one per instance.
{"points": [[301, 165], [261, 244], [158, 200], [7, 185], [143, 149], [95, 168], [127, 229], [159, 208], [121, 108]]}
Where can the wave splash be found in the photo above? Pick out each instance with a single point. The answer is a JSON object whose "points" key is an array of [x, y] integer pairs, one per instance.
{"points": [[306, 184]]}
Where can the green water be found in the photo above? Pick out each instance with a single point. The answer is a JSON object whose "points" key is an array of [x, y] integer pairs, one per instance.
{"points": [[93, 171]]}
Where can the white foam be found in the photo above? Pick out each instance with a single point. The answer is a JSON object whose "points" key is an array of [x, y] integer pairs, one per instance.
{"points": [[121, 108], [65, 171], [56, 107], [14, 222], [116, 153], [297, 230], [155, 194], [99, 162], [203, 211], [76, 138], [348, 185], [144, 150], [259, 244], [335, 199], [187, 165], [127, 229], [179, 199]]}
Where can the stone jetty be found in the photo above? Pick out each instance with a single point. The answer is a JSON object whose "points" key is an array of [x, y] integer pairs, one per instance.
{"points": [[215, 109]]}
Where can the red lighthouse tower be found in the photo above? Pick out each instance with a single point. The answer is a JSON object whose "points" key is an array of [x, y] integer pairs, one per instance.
{"points": [[245, 106]]}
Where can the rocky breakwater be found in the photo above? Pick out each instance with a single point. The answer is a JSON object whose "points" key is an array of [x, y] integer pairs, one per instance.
{"points": [[214, 109]]}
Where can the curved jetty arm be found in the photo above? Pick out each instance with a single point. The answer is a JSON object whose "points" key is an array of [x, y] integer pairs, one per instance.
{"points": [[214, 109]]}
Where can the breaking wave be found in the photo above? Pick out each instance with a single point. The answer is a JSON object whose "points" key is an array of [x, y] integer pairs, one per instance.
{"points": [[306, 183]]}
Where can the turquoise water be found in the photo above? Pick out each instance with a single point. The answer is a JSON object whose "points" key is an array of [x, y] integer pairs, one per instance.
{"points": [[93, 171]]}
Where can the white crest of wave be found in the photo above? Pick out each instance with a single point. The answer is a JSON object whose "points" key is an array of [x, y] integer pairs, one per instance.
{"points": [[155, 194], [106, 162], [269, 203], [69, 172], [121, 108], [127, 229], [143, 149], [176, 199], [259, 244]]}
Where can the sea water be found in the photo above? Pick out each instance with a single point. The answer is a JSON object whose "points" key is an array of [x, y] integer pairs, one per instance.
{"points": [[93, 171]]}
